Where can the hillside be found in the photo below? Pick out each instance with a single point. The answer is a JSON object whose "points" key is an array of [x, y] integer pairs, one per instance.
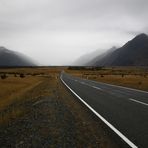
{"points": [[133, 53], [83, 60], [101, 56], [11, 58]]}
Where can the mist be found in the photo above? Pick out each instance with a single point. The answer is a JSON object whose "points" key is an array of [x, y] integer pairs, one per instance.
{"points": [[60, 31]]}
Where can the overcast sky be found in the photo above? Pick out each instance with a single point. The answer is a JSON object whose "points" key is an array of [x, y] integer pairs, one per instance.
{"points": [[56, 32]]}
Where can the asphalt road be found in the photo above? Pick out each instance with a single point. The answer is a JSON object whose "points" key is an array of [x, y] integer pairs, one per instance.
{"points": [[124, 110]]}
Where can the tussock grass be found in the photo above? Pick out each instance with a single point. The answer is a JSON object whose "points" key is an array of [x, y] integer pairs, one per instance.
{"points": [[21, 86], [11, 91], [12, 87]]}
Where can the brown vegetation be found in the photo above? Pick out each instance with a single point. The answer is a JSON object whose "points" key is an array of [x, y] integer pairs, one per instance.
{"points": [[38, 111], [11, 90], [125, 76]]}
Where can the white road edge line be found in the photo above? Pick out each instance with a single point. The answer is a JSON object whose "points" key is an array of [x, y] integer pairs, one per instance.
{"points": [[138, 101], [103, 119]]}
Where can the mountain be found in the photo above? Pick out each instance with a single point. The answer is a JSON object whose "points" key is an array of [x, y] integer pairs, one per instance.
{"points": [[101, 56], [82, 60], [11, 58], [133, 53], [91, 58]]}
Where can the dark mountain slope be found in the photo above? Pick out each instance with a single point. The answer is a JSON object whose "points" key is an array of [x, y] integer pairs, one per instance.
{"points": [[10, 58], [101, 56], [82, 60], [90, 58], [133, 53]]}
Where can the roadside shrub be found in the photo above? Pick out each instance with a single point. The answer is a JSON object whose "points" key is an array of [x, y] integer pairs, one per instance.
{"points": [[139, 82], [34, 74], [3, 76], [84, 68], [102, 76], [22, 75], [122, 75], [145, 75]]}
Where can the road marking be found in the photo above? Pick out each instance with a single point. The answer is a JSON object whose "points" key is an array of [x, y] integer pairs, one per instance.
{"points": [[133, 89], [96, 87], [138, 101], [82, 83], [132, 145], [89, 85]]}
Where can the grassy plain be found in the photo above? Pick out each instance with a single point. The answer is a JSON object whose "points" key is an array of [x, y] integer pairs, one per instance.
{"points": [[13, 89]]}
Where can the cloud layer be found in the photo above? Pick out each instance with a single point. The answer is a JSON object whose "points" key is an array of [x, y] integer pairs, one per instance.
{"points": [[56, 32]]}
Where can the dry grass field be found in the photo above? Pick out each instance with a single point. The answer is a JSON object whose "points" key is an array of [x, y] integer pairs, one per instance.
{"points": [[36, 110], [125, 76], [13, 88]]}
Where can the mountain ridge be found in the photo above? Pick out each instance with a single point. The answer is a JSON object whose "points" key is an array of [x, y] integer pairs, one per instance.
{"points": [[133, 53], [9, 58]]}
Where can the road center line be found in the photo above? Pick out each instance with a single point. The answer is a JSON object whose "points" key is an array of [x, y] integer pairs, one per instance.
{"points": [[96, 87], [138, 101], [90, 85], [82, 83], [131, 144]]}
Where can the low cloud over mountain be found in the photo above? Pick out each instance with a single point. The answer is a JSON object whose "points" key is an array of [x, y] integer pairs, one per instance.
{"points": [[133, 53]]}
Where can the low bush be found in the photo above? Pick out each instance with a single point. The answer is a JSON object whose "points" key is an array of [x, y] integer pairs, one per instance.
{"points": [[22, 75], [4, 76]]}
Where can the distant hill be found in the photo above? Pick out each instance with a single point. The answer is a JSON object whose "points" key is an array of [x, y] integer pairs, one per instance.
{"points": [[101, 56], [11, 58], [90, 58], [133, 53], [82, 60]]}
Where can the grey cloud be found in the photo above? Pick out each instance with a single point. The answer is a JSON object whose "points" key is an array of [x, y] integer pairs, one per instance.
{"points": [[47, 22]]}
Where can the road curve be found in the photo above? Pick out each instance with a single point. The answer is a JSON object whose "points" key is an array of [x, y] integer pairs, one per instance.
{"points": [[123, 109]]}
